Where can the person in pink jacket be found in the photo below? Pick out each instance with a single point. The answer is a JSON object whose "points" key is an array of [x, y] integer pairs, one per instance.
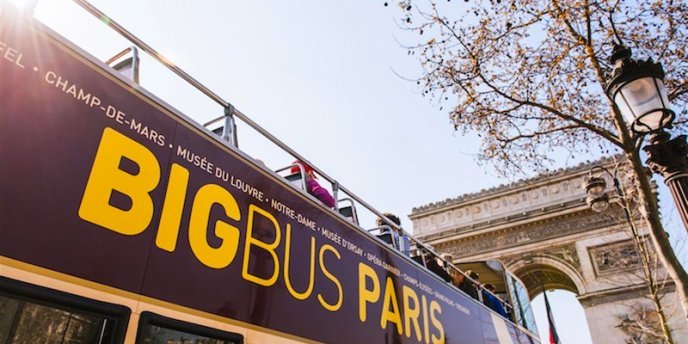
{"points": [[312, 185]]}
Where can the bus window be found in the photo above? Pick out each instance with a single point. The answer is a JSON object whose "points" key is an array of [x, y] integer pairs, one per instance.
{"points": [[30, 317], [156, 329], [523, 311]]}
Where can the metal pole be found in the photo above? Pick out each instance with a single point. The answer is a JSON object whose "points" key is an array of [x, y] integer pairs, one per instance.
{"points": [[669, 157], [335, 195], [229, 132]]}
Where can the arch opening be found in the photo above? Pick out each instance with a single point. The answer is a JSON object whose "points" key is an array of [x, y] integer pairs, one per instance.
{"points": [[569, 316], [538, 277]]}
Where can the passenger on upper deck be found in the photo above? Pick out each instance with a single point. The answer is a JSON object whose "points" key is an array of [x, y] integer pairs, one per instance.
{"points": [[492, 301], [401, 241], [470, 285], [312, 185], [432, 263]]}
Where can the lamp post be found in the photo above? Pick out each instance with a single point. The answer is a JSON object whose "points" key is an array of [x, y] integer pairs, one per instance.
{"points": [[669, 157], [637, 95], [599, 201], [637, 89]]}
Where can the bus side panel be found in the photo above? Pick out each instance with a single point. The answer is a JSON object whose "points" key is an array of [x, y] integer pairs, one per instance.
{"points": [[502, 331]]}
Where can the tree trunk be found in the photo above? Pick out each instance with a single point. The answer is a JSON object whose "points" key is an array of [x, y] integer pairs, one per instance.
{"points": [[659, 236]]}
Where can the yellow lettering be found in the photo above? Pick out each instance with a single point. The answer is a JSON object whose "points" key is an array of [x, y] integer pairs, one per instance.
{"points": [[287, 278], [411, 313], [366, 295], [331, 277], [205, 198], [270, 248], [106, 177], [426, 325], [168, 229], [393, 315], [434, 310]]}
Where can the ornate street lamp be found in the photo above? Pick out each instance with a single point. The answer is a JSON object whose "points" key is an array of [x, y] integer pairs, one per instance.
{"points": [[599, 199], [637, 89], [596, 188]]}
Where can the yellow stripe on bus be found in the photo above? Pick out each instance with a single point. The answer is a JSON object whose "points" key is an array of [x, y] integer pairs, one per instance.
{"points": [[133, 297]]}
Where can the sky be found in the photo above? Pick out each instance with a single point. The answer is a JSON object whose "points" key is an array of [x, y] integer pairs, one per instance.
{"points": [[327, 78]]}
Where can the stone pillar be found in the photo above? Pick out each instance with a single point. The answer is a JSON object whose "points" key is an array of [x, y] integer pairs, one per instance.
{"points": [[616, 317], [602, 321]]}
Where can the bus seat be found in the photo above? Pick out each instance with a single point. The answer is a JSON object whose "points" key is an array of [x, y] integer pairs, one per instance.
{"points": [[295, 179], [404, 245], [418, 259], [129, 66], [218, 131], [386, 237], [347, 211], [226, 131]]}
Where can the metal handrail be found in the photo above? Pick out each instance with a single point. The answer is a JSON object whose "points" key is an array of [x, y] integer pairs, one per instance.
{"points": [[122, 54], [225, 104], [147, 48], [380, 228]]}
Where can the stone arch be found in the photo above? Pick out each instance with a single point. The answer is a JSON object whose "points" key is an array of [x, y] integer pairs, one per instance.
{"points": [[545, 233], [543, 272]]}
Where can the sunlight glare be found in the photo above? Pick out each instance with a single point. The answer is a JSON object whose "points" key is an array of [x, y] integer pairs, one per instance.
{"points": [[24, 5]]}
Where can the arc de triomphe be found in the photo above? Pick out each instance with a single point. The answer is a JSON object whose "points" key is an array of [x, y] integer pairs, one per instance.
{"points": [[544, 232]]}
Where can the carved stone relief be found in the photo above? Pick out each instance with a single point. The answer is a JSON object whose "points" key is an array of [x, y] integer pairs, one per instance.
{"points": [[425, 224], [504, 204], [567, 254], [520, 236], [458, 215], [443, 220], [612, 258]]}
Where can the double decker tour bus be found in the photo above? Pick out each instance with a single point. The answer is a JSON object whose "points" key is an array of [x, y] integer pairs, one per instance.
{"points": [[124, 221]]}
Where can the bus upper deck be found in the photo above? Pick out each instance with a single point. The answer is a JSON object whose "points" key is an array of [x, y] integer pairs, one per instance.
{"points": [[123, 219]]}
